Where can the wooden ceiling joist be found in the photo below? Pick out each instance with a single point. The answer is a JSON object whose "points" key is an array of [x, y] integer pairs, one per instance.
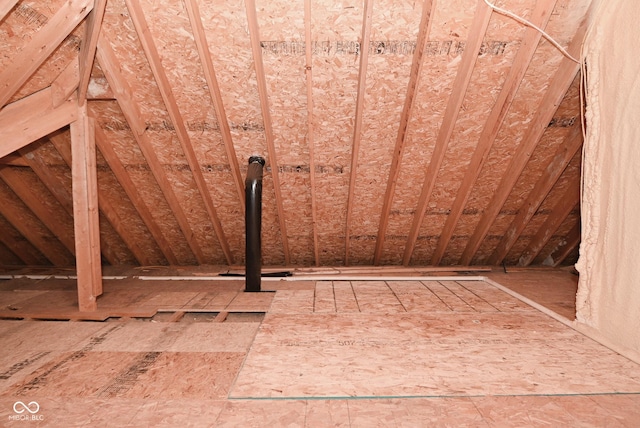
{"points": [[216, 95], [559, 85], [151, 52], [461, 82], [357, 127], [256, 49], [124, 95], [88, 48], [310, 127], [43, 43], [561, 211], [543, 186], [540, 16], [405, 117], [134, 195]]}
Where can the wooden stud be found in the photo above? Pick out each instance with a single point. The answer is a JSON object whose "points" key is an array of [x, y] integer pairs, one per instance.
{"points": [[540, 16], [460, 84], [43, 43], [543, 186], [407, 110], [357, 127], [136, 198], [561, 210], [256, 49], [572, 240], [88, 49], [216, 96], [32, 117], [310, 127], [151, 53], [85, 211], [6, 7], [124, 95], [561, 82]]}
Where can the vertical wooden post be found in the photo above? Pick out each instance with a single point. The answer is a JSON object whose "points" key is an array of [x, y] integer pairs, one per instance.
{"points": [[85, 211]]}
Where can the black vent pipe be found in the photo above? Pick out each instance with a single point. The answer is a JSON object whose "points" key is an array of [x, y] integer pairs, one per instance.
{"points": [[253, 223]]}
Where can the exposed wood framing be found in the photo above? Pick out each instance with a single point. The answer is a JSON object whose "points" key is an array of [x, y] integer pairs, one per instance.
{"points": [[561, 210], [124, 95], [57, 227], [461, 82], [570, 243], [65, 84], [256, 49], [216, 96], [540, 16], [85, 212], [310, 127], [32, 117], [106, 205], [558, 164], [151, 52], [6, 7], [407, 110], [553, 96], [13, 159], [88, 49], [22, 249], [43, 43], [357, 127], [136, 198]]}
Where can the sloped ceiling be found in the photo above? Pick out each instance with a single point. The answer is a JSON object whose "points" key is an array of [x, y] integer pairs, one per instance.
{"points": [[395, 132]]}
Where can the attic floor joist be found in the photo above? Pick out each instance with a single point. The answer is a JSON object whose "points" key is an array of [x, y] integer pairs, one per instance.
{"points": [[413, 133]]}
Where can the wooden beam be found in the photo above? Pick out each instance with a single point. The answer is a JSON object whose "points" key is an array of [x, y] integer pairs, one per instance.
{"points": [[22, 248], [24, 222], [6, 7], [60, 191], [460, 84], [151, 53], [37, 50], [540, 16], [357, 127], [216, 96], [65, 84], [256, 49], [310, 127], [34, 202], [561, 211], [124, 95], [136, 198], [88, 48], [33, 117], [562, 80], [407, 111], [13, 159], [566, 151], [106, 206], [572, 240], [85, 211]]}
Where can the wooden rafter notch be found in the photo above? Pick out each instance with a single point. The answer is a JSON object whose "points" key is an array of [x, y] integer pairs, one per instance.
{"points": [[256, 49], [405, 117], [151, 53], [540, 16], [460, 85], [562, 80]]}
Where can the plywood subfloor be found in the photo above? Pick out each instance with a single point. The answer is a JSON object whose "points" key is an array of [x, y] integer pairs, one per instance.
{"points": [[333, 353]]}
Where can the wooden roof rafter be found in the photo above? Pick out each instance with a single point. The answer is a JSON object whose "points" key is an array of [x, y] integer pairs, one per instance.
{"points": [[124, 96], [22, 248], [540, 16], [571, 241], [562, 80], [256, 49], [566, 151], [407, 110], [357, 127], [88, 48], [216, 96], [460, 85], [6, 7], [151, 53]]}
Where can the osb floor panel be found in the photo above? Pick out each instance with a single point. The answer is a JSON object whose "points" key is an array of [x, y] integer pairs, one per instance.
{"points": [[342, 353]]}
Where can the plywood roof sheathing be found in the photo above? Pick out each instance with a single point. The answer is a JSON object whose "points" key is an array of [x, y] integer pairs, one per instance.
{"points": [[88, 48], [561, 82], [463, 77]]}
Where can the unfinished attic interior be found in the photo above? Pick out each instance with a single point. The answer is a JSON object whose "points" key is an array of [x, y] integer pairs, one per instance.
{"points": [[439, 163]]}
